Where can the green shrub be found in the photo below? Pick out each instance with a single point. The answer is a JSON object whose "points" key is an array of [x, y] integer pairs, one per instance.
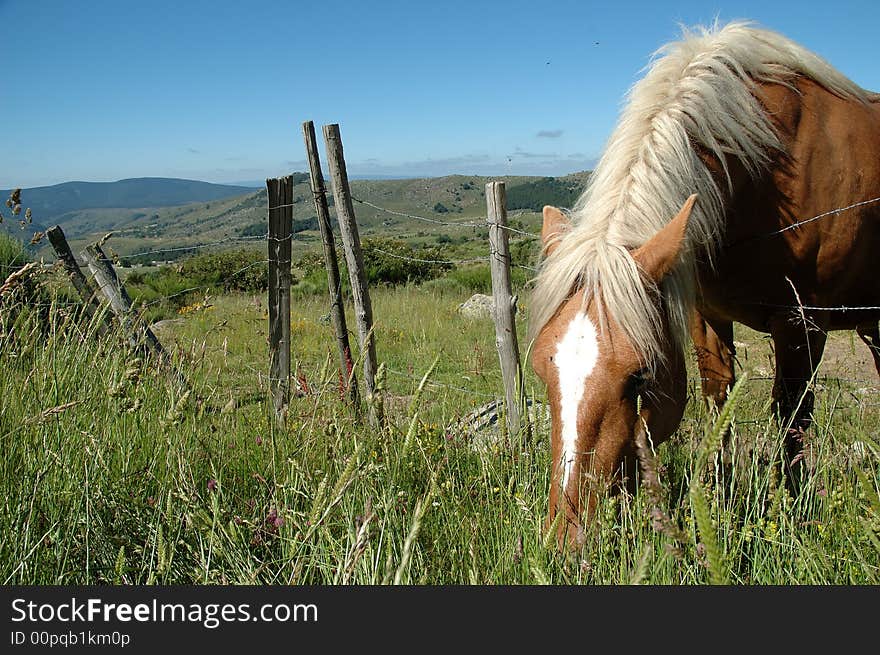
{"points": [[231, 270], [13, 254], [478, 279], [391, 262], [445, 285], [169, 288], [253, 230], [546, 191], [388, 262]]}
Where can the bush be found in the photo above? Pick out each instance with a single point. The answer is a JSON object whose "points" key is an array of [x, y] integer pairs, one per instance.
{"points": [[478, 279], [445, 285], [253, 230], [13, 254], [172, 287], [232, 270], [388, 261], [259, 228], [546, 191], [473, 279]]}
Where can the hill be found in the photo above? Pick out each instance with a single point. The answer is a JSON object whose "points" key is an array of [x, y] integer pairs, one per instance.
{"points": [[48, 203], [151, 226]]}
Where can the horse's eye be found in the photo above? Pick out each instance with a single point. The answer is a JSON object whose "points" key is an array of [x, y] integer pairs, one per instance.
{"points": [[638, 383]]}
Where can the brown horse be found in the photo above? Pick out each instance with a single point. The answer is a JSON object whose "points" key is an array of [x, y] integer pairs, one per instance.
{"points": [[742, 183]]}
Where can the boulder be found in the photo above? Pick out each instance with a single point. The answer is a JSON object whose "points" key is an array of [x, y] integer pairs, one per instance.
{"points": [[477, 306]]}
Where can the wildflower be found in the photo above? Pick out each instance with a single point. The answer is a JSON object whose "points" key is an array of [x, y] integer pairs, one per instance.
{"points": [[273, 519], [212, 485]]}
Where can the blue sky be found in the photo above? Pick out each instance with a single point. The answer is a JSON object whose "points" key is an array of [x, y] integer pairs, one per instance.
{"points": [[217, 91]]}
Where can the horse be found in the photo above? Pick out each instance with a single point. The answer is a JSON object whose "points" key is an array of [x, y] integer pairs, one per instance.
{"points": [[740, 184]]}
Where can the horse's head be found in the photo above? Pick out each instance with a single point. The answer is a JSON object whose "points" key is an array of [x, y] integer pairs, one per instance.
{"points": [[595, 377]]}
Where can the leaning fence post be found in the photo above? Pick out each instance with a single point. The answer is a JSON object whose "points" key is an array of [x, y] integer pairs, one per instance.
{"points": [[280, 199], [357, 275], [504, 305], [141, 337], [337, 310], [80, 281]]}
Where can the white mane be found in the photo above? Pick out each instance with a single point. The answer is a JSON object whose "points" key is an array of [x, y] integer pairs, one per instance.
{"points": [[697, 92]]}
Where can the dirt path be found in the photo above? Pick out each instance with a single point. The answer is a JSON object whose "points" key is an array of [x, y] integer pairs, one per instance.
{"points": [[846, 357]]}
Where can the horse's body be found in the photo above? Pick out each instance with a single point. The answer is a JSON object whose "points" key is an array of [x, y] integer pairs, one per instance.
{"points": [[767, 135], [762, 275]]}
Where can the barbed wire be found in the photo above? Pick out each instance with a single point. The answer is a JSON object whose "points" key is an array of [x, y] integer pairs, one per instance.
{"points": [[204, 287], [435, 383], [818, 308], [482, 222], [797, 224], [435, 221], [431, 261], [195, 246]]}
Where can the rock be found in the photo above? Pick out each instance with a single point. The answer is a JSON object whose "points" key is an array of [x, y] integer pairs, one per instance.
{"points": [[477, 306], [161, 326], [481, 428]]}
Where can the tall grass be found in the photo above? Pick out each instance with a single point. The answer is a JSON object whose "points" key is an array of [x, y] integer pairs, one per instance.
{"points": [[13, 254], [112, 473]]}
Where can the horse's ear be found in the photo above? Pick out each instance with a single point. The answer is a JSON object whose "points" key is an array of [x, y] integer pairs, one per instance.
{"points": [[660, 254], [555, 223]]}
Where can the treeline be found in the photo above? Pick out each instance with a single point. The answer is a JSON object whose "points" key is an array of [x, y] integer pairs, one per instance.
{"points": [[545, 191]]}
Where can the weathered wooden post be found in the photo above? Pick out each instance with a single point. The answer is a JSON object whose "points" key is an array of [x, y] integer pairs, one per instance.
{"points": [[140, 336], [505, 306], [65, 255], [280, 211], [80, 281], [337, 310], [354, 258]]}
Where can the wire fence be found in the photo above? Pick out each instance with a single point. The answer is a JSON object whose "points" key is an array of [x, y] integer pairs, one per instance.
{"points": [[483, 223]]}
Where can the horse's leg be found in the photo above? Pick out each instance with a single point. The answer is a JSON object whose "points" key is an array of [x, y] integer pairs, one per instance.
{"points": [[798, 351], [713, 343], [870, 334]]}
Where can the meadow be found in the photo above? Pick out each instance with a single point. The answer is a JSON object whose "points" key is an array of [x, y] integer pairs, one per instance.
{"points": [[114, 473]]}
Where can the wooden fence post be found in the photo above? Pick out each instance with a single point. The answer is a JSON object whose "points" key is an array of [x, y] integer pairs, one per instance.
{"points": [[357, 275], [337, 309], [80, 281], [141, 336], [280, 199], [505, 306]]}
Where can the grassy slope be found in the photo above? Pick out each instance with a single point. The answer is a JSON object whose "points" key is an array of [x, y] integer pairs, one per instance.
{"points": [[140, 229], [118, 487]]}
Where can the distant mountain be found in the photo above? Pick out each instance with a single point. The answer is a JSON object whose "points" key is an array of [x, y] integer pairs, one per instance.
{"points": [[419, 209], [50, 202]]}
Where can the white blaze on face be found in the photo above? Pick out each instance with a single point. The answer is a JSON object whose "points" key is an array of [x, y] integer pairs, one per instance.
{"points": [[576, 356]]}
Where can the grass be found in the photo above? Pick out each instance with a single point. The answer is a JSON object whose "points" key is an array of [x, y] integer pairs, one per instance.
{"points": [[113, 474]]}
